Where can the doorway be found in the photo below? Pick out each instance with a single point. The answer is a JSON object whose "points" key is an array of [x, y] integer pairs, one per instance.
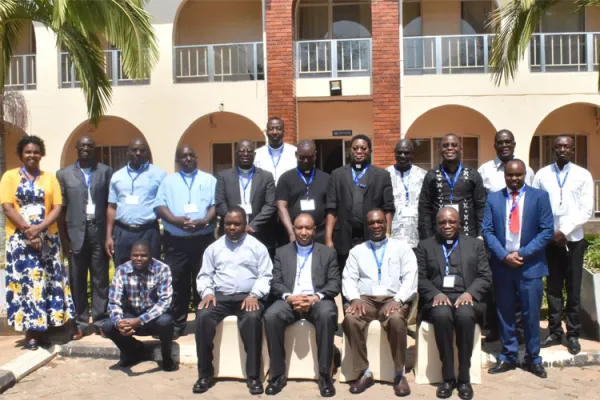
{"points": [[332, 154]]}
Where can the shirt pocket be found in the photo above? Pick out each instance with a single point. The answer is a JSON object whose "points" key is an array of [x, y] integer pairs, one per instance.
{"points": [[393, 269]]}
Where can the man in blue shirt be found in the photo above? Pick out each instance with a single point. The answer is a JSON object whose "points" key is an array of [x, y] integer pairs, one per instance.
{"points": [[186, 204], [131, 200]]}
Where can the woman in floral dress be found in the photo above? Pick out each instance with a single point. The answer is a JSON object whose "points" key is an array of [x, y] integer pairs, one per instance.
{"points": [[37, 290]]}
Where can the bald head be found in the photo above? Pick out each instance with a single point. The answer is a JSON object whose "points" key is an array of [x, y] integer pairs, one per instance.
{"points": [[138, 152], [306, 155], [404, 152], [448, 223], [187, 159]]}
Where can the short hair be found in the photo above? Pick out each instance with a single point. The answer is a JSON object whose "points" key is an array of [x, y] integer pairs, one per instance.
{"points": [[446, 208], [139, 139], [179, 150], [236, 210], [362, 137], [374, 210], [403, 141], [518, 160], [275, 118], [307, 143], [30, 139], [305, 214], [141, 243], [502, 132], [565, 136]]}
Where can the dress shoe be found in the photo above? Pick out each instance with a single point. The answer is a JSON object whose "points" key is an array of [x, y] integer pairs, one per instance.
{"points": [[128, 362], [78, 335], [551, 340], [254, 386], [275, 385], [169, 365], [502, 366], [401, 387], [465, 390], [203, 384], [573, 345], [444, 391], [361, 384], [326, 386], [538, 370]]}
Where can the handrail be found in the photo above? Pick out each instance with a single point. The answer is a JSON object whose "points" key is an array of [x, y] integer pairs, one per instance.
{"points": [[21, 73], [333, 58]]}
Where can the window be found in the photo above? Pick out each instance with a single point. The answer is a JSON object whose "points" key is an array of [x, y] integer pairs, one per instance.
{"points": [[563, 17], [541, 151], [334, 19], [411, 19], [223, 155], [427, 154], [115, 156], [474, 15]]}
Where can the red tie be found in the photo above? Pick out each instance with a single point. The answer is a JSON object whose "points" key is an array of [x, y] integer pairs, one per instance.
{"points": [[515, 223]]}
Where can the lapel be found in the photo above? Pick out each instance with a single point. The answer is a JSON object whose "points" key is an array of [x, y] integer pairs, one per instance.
{"points": [[367, 178], [463, 260], [237, 193], [528, 203], [254, 186], [291, 265], [348, 175], [95, 180], [315, 264], [78, 174], [440, 256], [501, 233]]}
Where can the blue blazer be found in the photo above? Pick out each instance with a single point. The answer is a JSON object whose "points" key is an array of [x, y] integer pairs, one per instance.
{"points": [[537, 230]]}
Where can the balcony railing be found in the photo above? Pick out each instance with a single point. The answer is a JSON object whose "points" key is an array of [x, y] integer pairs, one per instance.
{"points": [[21, 73], [564, 52], [219, 62], [333, 58], [596, 199], [112, 65], [458, 54]]}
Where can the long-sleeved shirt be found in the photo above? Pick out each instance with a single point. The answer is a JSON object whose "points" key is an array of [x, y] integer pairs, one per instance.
{"points": [[492, 174], [145, 293], [577, 203], [399, 272], [240, 267], [277, 161]]}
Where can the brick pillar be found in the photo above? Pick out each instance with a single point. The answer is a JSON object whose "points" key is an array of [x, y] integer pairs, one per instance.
{"points": [[281, 82], [385, 80]]}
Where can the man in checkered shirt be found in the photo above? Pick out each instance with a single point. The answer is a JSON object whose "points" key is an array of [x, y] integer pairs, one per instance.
{"points": [[139, 303]]}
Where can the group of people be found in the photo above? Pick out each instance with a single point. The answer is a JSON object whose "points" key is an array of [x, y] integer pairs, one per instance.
{"points": [[469, 246]]}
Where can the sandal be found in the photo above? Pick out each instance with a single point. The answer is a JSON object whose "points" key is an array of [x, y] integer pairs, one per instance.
{"points": [[32, 344]]}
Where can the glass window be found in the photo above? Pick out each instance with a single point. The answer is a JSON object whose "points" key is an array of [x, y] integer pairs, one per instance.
{"points": [[474, 16], [542, 155], [563, 17], [422, 155], [351, 21], [115, 156], [222, 157], [427, 152], [334, 19], [411, 19], [313, 22]]}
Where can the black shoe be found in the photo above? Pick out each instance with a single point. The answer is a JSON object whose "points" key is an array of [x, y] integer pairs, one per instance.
{"points": [[128, 362], [203, 384], [445, 389], [465, 391], [502, 366], [551, 340], [255, 386], [169, 365], [362, 383], [275, 385], [538, 370], [326, 386], [573, 345]]}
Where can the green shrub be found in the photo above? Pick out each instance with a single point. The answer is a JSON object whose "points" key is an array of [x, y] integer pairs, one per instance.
{"points": [[592, 256]]}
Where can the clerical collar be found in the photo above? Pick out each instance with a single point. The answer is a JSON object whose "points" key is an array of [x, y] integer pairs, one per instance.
{"points": [[378, 243], [189, 174], [141, 168], [276, 150], [449, 242], [359, 166], [245, 171], [236, 241], [303, 249]]}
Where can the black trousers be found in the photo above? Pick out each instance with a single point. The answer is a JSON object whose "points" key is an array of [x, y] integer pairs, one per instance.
{"points": [[91, 257], [446, 321], [280, 314], [184, 255], [566, 269], [131, 347], [124, 239], [249, 324]]}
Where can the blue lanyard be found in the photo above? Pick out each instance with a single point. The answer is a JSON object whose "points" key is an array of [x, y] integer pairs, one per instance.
{"points": [[190, 185], [275, 164], [302, 265], [358, 178], [452, 183], [32, 181], [516, 202], [407, 183], [86, 178], [139, 172], [379, 261], [560, 184], [306, 182], [447, 255], [244, 187]]}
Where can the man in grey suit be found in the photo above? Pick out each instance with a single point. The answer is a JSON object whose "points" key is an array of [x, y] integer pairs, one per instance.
{"points": [[253, 189], [84, 186], [306, 279]]}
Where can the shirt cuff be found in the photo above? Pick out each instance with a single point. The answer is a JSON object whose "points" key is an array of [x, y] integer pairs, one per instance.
{"points": [[144, 318], [567, 228], [321, 296], [207, 291], [285, 296]]}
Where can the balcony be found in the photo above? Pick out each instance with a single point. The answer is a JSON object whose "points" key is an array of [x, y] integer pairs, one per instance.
{"points": [[113, 68], [21, 73], [219, 63], [333, 58], [564, 52]]}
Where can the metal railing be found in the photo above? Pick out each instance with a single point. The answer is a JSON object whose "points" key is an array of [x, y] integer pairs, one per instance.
{"points": [[564, 52], [112, 65], [596, 198], [218, 62], [456, 54], [21, 74], [333, 58]]}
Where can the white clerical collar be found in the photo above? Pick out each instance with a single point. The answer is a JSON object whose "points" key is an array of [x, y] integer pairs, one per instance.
{"points": [[379, 243], [236, 242], [278, 150], [245, 171], [450, 241], [190, 174], [303, 249]]}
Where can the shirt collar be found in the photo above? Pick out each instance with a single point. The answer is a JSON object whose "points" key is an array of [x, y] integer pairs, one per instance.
{"points": [[238, 242], [565, 169], [244, 171], [302, 250], [189, 175], [279, 150], [498, 162], [378, 244]]}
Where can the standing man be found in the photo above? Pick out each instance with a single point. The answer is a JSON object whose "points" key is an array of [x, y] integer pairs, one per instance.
{"points": [[571, 190], [253, 189], [186, 204], [518, 262], [306, 279], [380, 281], [354, 190], [276, 157], [235, 277], [454, 277], [303, 190], [131, 202], [407, 180], [452, 184], [84, 186]]}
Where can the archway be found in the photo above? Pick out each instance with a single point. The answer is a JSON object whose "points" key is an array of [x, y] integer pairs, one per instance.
{"points": [[9, 141]]}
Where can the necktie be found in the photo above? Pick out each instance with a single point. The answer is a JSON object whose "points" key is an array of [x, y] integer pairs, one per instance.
{"points": [[515, 223]]}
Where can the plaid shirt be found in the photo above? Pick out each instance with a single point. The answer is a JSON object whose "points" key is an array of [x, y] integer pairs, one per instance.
{"points": [[147, 294]]}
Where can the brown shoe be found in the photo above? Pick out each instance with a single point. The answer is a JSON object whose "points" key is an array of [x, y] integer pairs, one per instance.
{"points": [[361, 384], [78, 335], [401, 387]]}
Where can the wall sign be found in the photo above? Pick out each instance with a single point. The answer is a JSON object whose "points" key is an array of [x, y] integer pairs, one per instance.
{"points": [[342, 133]]}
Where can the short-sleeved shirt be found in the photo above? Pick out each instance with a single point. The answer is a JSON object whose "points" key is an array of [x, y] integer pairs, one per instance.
{"points": [[125, 183]]}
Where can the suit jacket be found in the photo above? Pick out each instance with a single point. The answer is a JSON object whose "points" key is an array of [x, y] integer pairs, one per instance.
{"points": [[262, 198], [75, 193], [378, 194], [324, 269], [475, 270], [537, 230]]}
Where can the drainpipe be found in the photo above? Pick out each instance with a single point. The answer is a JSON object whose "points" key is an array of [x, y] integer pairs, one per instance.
{"points": [[264, 29], [401, 52]]}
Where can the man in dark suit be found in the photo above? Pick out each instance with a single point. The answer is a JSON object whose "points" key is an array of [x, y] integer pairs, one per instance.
{"points": [[84, 186], [454, 277], [518, 262], [306, 279], [251, 188], [354, 190]]}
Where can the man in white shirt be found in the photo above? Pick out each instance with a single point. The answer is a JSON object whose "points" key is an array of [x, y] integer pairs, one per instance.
{"points": [[571, 190], [380, 281], [276, 157]]}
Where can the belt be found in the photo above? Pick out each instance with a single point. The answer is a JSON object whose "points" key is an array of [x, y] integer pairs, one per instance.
{"points": [[136, 228], [90, 221]]}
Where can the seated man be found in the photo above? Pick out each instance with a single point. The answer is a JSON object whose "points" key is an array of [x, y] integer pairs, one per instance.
{"points": [[454, 277], [380, 280], [236, 274], [306, 279], [138, 303]]}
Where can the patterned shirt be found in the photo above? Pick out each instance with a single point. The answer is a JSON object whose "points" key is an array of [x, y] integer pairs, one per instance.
{"points": [[145, 293]]}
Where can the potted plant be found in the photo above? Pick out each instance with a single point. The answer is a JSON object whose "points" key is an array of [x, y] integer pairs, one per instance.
{"points": [[590, 289]]}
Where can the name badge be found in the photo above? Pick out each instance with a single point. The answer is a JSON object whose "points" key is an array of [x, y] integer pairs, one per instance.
{"points": [[247, 208], [31, 211], [409, 212], [455, 206], [562, 209], [190, 208], [131, 199], [449, 281], [90, 209], [379, 290], [307, 205]]}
